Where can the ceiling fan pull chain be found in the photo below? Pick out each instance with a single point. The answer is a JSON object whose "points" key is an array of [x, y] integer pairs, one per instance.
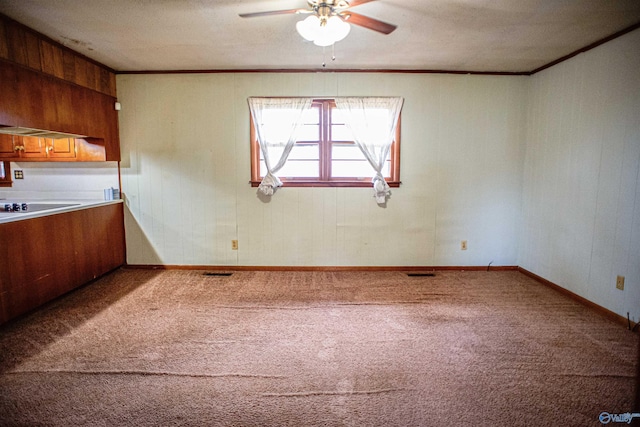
{"points": [[333, 55]]}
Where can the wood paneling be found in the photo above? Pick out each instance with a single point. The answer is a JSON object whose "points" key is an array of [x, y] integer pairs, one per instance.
{"points": [[69, 64], [87, 70], [107, 79], [29, 48], [4, 48], [34, 59], [16, 43], [51, 59], [42, 258]]}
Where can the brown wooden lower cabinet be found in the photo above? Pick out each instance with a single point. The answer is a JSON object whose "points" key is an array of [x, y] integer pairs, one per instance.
{"points": [[43, 258]]}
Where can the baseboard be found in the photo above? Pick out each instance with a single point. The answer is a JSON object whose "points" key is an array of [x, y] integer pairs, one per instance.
{"points": [[321, 268], [592, 305]]}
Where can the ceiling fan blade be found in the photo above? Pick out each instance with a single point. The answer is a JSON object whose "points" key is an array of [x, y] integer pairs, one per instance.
{"points": [[366, 22], [273, 12]]}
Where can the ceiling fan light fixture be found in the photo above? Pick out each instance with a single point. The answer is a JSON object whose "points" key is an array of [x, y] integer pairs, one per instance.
{"points": [[332, 30], [338, 28], [308, 28]]}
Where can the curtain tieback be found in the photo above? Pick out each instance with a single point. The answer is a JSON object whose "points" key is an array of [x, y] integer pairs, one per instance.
{"points": [[380, 188], [269, 183]]}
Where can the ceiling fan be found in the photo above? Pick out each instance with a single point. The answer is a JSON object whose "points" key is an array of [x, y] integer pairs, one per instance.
{"points": [[328, 20]]}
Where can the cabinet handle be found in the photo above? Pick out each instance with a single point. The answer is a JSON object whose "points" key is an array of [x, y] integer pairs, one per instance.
{"points": [[19, 148]]}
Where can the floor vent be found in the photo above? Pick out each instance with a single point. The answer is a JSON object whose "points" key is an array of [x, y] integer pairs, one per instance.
{"points": [[216, 274], [421, 274]]}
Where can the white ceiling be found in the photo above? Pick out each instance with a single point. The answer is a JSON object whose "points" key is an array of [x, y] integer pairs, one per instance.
{"points": [[454, 35]]}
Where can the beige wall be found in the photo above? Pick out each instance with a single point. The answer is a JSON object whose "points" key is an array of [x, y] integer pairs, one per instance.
{"points": [[185, 174], [581, 193], [541, 172]]}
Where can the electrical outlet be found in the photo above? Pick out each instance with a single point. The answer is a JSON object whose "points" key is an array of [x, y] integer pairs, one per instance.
{"points": [[620, 283], [234, 245], [18, 174], [463, 245]]}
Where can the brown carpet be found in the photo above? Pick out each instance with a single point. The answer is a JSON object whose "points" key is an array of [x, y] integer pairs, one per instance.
{"points": [[149, 348]]}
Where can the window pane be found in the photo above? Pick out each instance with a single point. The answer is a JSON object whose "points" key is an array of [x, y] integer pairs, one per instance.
{"points": [[277, 124], [310, 130], [274, 154], [337, 116], [355, 169], [2, 172], [341, 133], [308, 133], [351, 169], [305, 152], [302, 162], [349, 162], [299, 151], [346, 152], [377, 120], [300, 169], [386, 169], [311, 116]]}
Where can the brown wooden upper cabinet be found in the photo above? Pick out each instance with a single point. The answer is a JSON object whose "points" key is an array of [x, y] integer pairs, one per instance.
{"points": [[61, 148], [14, 147], [36, 101], [47, 86], [30, 147]]}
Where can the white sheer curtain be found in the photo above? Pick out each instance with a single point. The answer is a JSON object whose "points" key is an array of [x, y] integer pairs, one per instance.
{"points": [[276, 122], [373, 122]]}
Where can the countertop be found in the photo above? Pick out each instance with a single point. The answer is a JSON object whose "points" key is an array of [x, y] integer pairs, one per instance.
{"points": [[72, 205]]}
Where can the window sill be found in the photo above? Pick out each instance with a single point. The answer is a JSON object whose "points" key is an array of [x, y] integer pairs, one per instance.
{"points": [[336, 183]]}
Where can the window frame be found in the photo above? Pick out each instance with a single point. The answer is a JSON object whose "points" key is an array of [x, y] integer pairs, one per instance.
{"points": [[325, 179]]}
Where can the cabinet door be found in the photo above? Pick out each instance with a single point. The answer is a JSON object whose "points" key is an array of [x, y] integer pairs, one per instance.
{"points": [[33, 147], [61, 148], [7, 149]]}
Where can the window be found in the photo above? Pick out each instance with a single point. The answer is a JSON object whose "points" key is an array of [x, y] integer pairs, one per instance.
{"points": [[325, 154], [5, 174]]}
